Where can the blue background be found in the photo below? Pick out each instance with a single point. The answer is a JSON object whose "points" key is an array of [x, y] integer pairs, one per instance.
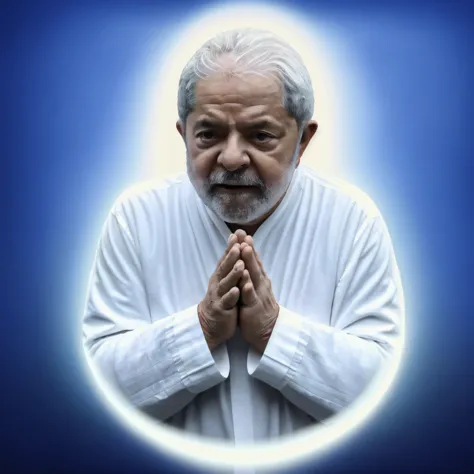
{"points": [[67, 69]]}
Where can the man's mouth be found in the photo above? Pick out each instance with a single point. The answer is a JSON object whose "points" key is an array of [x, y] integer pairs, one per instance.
{"points": [[235, 187]]}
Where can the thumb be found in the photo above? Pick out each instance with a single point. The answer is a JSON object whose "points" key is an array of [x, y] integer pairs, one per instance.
{"points": [[249, 295]]}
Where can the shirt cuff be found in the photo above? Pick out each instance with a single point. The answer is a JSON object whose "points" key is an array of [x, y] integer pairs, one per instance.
{"points": [[198, 368], [284, 350]]}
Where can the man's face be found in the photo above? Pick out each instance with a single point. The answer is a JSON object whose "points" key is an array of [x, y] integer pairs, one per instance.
{"points": [[242, 146]]}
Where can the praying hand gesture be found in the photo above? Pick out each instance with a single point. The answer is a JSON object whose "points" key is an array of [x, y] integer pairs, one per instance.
{"points": [[258, 308], [218, 311], [239, 293]]}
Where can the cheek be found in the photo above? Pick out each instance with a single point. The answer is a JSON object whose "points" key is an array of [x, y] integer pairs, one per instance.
{"points": [[202, 161], [272, 166], [271, 172]]}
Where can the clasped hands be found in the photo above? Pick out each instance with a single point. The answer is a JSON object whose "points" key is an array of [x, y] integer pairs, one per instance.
{"points": [[239, 294]]}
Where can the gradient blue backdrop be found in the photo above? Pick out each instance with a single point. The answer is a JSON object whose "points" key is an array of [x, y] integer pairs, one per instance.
{"points": [[67, 70]]}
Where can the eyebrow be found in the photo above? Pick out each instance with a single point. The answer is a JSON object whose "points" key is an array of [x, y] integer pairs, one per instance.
{"points": [[265, 123], [205, 123], [212, 123]]}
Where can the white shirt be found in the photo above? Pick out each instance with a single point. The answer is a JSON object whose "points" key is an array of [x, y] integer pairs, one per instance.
{"points": [[330, 260]]}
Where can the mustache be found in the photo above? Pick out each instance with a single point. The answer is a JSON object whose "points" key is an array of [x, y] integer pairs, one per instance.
{"points": [[235, 178]]}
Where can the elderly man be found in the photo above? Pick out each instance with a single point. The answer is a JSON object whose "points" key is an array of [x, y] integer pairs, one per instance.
{"points": [[249, 297]]}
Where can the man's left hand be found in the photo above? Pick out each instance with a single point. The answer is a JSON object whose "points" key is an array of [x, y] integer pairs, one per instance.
{"points": [[259, 309]]}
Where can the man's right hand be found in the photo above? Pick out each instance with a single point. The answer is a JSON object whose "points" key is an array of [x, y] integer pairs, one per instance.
{"points": [[218, 311]]}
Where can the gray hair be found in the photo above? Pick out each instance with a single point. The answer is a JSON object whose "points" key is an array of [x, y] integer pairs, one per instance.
{"points": [[252, 51]]}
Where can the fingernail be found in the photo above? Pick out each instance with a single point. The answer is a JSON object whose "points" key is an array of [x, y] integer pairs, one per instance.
{"points": [[230, 238]]}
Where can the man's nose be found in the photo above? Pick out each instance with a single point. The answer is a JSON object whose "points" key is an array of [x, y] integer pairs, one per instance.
{"points": [[233, 156]]}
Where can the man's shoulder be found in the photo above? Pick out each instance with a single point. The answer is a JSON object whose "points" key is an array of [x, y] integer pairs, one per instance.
{"points": [[151, 194], [337, 193]]}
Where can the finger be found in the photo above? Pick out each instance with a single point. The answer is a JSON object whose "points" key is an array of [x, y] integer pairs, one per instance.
{"points": [[241, 235], [231, 241], [229, 300], [251, 264], [249, 241], [229, 261], [245, 279], [260, 264], [249, 295], [232, 279]]}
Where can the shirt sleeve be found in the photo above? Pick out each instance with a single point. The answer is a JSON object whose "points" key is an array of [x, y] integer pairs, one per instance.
{"points": [[323, 368], [157, 365]]}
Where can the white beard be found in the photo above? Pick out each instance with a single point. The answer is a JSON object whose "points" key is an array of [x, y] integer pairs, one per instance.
{"points": [[242, 208]]}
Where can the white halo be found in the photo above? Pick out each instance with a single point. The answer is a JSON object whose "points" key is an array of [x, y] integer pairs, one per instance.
{"points": [[163, 142]]}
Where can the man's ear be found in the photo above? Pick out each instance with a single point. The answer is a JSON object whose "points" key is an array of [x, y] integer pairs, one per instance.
{"points": [[306, 136], [181, 129]]}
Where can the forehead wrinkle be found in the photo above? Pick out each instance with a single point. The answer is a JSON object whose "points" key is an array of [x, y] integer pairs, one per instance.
{"points": [[237, 113]]}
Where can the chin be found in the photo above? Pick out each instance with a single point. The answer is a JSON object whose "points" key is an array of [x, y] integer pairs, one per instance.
{"points": [[239, 216]]}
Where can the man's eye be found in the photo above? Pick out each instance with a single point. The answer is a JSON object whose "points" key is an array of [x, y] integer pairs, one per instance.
{"points": [[262, 137], [206, 135]]}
